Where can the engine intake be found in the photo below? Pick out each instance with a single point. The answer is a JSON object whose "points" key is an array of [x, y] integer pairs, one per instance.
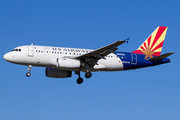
{"points": [[56, 73]]}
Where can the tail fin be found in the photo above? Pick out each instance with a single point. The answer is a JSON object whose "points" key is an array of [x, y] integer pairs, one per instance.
{"points": [[152, 46]]}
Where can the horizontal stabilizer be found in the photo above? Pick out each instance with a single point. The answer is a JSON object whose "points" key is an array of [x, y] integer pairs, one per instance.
{"points": [[161, 57]]}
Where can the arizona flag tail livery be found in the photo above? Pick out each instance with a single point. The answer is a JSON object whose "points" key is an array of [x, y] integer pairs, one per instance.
{"points": [[60, 62], [152, 46]]}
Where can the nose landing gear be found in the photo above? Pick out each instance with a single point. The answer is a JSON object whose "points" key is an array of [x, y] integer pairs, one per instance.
{"points": [[29, 69]]}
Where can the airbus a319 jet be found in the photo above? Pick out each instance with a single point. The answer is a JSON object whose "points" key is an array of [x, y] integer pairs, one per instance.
{"points": [[61, 61]]}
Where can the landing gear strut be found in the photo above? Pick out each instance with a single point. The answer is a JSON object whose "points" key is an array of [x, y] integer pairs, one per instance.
{"points": [[88, 73], [79, 80], [29, 69]]}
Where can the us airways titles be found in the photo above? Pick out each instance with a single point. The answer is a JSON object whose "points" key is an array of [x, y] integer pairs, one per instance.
{"points": [[72, 50]]}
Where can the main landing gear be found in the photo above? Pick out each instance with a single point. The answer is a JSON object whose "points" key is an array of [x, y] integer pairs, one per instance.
{"points": [[80, 80], [88, 74], [29, 70]]}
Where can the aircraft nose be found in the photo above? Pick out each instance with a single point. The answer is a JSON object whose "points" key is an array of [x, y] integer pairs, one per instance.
{"points": [[6, 57]]}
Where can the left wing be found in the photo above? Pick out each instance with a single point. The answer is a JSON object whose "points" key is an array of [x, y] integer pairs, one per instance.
{"points": [[102, 52]]}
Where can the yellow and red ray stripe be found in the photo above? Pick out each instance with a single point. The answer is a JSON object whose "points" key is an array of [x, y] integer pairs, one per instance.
{"points": [[158, 35], [154, 42]]}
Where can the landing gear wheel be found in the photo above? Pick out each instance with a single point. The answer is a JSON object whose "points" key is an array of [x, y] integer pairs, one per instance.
{"points": [[79, 80], [28, 74], [88, 74]]}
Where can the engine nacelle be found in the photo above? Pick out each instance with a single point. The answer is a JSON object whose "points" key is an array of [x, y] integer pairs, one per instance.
{"points": [[66, 63], [56, 73]]}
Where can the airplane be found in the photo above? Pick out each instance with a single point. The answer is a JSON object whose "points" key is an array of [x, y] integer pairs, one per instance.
{"points": [[61, 61]]}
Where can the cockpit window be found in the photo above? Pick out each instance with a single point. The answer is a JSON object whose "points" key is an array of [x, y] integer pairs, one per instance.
{"points": [[19, 50]]}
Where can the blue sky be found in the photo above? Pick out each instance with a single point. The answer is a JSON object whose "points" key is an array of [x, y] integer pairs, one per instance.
{"points": [[148, 93]]}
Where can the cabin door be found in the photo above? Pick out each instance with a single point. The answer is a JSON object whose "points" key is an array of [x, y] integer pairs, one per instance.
{"points": [[134, 59], [31, 51]]}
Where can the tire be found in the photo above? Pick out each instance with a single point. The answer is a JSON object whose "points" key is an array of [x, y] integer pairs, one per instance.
{"points": [[88, 74], [28, 74], [79, 80]]}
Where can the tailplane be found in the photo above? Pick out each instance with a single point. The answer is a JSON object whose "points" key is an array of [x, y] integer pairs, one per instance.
{"points": [[161, 57], [152, 46]]}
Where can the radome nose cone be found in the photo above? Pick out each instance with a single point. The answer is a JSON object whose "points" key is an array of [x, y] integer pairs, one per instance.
{"points": [[6, 56]]}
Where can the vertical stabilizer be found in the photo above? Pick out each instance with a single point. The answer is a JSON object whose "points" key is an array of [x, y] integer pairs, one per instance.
{"points": [[152, 46]]}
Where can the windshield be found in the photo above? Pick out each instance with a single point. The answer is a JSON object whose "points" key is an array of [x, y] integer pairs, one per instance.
{"points": [[16, 50]]}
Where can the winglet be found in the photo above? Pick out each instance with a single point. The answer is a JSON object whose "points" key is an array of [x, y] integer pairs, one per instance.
{"points": [[126, 40], [161, 57]]}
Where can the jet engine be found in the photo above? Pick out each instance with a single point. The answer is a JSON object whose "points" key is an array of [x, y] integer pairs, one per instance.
{"points": [[56, 73], [66, 63]]}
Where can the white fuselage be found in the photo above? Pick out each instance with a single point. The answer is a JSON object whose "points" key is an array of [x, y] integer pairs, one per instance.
{"points": [[42, 56]]}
